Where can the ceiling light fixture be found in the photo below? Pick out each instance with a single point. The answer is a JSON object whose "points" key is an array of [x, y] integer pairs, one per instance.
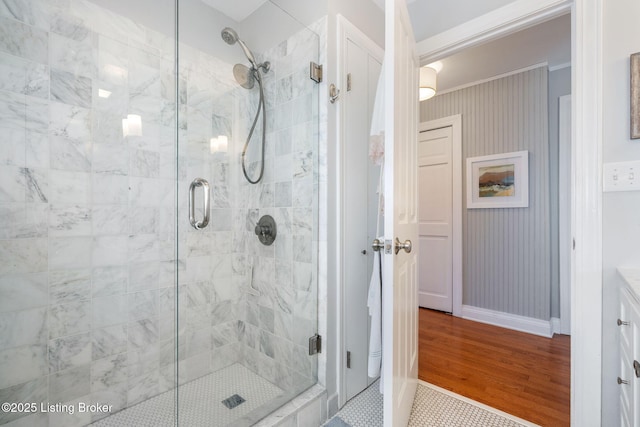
{"points": [[436, 66], [428, 77]]}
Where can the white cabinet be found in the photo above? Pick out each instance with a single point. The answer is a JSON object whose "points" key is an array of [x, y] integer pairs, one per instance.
{"points": [[629, 374]]}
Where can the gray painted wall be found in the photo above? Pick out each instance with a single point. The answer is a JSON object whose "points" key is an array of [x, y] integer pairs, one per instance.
{"points": [[559, 85], [506, 252]]}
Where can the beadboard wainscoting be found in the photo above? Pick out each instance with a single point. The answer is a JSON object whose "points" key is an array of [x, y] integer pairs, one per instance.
{"points": [[506, 252]]}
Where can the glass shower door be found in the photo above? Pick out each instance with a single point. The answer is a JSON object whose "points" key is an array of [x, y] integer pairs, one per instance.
{"points": [[248, 126], [87, 209], [109, 297]]}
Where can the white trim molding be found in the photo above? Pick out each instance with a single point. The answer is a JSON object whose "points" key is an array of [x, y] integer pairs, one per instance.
{"points": [[586, 285], [565, 194], [555, 326], [559, 67], [530, 325], [490, 79], [505, 20]]}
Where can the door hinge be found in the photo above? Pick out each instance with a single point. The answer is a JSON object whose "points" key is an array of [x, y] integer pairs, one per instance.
{"points": [[348, 359], [315, 345], [349, 82], [315, 72]]}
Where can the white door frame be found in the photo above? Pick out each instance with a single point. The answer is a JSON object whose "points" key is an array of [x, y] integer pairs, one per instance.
{"points": [[456, 174], [587, 97], [564, 209], [346, 30]]}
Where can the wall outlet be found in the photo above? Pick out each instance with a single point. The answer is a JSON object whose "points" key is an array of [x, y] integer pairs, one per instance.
{"points": [[622, 176]]}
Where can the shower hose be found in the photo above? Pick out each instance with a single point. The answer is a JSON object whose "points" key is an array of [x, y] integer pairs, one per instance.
{"points": [[253, 127]]}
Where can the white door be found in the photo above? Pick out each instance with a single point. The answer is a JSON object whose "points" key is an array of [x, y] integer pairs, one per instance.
{"points": [[360, 200], [400, 284], [435, 180]]}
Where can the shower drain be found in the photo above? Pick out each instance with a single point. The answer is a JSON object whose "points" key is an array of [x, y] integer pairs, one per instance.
{"points": [[233, 401]]}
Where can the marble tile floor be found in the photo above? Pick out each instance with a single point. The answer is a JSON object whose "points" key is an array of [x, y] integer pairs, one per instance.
{"points": [[432, 407], [201, 402]]}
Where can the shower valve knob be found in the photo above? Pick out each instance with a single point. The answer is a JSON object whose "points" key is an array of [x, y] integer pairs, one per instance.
{"points": [[263, 230], [266, 230]]}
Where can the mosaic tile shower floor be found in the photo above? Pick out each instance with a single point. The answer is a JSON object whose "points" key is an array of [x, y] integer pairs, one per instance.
{"points": [[432, 407], [200, 401]]}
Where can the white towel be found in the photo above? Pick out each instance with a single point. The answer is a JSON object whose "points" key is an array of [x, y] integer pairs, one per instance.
{"points": [[376, 141], [376, 132], [374, 302]]}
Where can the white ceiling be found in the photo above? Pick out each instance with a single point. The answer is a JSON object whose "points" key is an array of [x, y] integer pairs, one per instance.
{"points": [[549, 42], [430, 17], [238, 10]]}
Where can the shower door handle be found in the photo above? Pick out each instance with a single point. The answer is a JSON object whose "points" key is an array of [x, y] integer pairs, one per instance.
{"points": [[199, 182]]}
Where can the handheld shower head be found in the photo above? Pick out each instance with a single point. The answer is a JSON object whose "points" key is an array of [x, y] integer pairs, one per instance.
{"points": [[244, 76], [247, 77], [230, 36]]}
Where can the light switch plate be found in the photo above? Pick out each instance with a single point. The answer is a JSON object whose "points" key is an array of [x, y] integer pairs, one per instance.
{"points": [[621, 176]]}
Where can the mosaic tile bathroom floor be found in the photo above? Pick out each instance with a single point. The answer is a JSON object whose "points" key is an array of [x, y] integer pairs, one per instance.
{"points": [[432, 407], [201, 401]]}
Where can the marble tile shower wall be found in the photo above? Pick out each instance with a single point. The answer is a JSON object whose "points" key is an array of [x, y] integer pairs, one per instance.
{"points": [[87, 216], [281, 280]]}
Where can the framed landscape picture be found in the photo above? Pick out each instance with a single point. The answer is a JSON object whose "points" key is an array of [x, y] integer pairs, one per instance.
{"points": [[498, 181]]}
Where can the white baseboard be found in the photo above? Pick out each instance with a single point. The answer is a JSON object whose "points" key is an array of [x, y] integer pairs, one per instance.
{"points": [[332, 405], [509, 321], [555, 325]]}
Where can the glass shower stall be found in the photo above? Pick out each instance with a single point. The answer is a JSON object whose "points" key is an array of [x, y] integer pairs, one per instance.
{"points": [[158, 211]]}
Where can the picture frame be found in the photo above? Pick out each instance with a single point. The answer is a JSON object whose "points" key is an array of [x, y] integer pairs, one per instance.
{"points": [[498, 181], [635, 95]]}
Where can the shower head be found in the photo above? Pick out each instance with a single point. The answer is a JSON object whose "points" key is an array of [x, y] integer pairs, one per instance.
{"points": [[230, 36], [244, 76]]}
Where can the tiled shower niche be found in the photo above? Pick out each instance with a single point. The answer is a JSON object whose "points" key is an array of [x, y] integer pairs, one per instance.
{"points": [[88, 226]]}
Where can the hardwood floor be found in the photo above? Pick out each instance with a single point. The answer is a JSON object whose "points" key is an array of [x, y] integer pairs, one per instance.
{"points": [[521, 374]]}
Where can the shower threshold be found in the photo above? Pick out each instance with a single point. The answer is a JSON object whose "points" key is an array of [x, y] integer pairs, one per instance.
{"points": [[201, 402]]}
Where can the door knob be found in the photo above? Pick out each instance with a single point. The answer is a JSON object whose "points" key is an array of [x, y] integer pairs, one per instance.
{"points": [[377, 245], [406, 246]]}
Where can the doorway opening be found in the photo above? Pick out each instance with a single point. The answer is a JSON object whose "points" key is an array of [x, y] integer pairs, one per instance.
{"points": [[511, 270]]}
